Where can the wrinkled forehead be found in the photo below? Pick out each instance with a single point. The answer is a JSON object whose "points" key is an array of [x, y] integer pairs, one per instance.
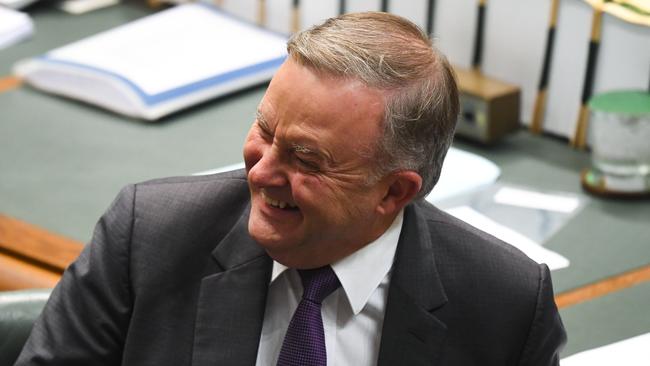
{"points": [[329, 108]]}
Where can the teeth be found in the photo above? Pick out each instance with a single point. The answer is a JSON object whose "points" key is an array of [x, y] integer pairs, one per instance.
{"points": [[276, 203]]}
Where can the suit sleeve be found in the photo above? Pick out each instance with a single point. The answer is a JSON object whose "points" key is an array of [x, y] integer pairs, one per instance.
{"points": [[86, 318], [546, 336]]}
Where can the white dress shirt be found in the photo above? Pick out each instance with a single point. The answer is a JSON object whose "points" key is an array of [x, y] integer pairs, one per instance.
{"points": [[353, 315]]}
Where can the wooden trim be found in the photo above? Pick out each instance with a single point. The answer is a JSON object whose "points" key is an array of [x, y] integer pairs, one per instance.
{"points": [[555, 5], [295, 18], [579, 139], [9, 82], [538, 113], [478, 84], [261, 12], [596, 24], [22, 240], [604, 287], [16, 274]]}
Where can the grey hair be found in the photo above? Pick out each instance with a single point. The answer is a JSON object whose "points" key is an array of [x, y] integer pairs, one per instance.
{"points": [[392, 54]]}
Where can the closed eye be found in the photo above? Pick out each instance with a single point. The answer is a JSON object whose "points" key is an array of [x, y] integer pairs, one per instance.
{"points": [[307, 165]]}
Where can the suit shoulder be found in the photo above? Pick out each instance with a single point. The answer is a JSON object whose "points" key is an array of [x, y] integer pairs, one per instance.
{"points": [[493, 291], [180, 220], [452, 231], [190, 201], [466, 254], [238, 175], [193, 189]]}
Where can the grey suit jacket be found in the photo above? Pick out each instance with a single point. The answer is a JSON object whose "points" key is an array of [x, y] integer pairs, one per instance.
{"points": [[171, 277]]}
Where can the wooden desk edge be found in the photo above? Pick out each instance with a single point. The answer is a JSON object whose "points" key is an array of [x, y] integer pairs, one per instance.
{"points": [[603, 287], [31, 256], [9, 82], [25, 240]]}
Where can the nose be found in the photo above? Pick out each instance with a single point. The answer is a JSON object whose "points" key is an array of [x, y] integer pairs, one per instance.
{"points": [[268, 170]]}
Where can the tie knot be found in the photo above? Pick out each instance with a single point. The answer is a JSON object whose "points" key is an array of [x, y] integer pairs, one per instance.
{"points": [[318, 283]]}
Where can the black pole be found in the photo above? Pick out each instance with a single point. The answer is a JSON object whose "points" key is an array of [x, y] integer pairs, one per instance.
{"points": [[478, 38], [592, 56], [384, 5], [430, 14], [548, 56], [342, 7]]}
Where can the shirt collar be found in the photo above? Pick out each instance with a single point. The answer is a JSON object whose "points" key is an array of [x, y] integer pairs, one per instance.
{"points": [[361, 272]]}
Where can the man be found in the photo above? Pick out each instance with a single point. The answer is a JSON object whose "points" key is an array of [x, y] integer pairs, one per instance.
{"points": [[349, 137]]}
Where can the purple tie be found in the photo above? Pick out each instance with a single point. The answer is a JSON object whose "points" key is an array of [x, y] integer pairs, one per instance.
{"points": [[304, 343]]}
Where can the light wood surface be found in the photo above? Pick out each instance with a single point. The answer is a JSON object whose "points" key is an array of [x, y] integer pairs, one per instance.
{"points": [[475, 83], [604, 287], [295, 19], [538, 112], [48, 249], [31, 257], [16, 274], [261, 12], [9, 82]]}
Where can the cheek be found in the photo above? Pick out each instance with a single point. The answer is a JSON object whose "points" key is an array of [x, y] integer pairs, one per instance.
{"points": [[308, 191], [316, 196]]}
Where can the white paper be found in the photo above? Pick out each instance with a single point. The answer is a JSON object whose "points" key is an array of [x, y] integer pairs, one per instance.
{"points": [[532, 249], [174, 48], [84, 6], [537, 200], [14, 27], [634, 351], [463, 172]]}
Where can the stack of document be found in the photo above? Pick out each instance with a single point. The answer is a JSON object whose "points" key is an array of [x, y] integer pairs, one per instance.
{"points": [[160, 64], [14, 27]]}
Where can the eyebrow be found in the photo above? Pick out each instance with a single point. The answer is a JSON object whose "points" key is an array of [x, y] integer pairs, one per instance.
{"points": [[317, 153], [303, 149], [300, 148], [261, 121]]}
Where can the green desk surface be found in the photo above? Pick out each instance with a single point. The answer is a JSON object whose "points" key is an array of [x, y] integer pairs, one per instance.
{"points": [[606, 238], [62, 162], [608, 319]]}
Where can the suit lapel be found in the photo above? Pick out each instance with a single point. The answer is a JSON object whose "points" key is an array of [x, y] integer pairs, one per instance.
{"points": [[411, 334], [231, 302]]}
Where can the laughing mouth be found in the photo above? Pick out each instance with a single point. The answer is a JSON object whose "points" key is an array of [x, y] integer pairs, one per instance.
{"points": [[277, 203]]}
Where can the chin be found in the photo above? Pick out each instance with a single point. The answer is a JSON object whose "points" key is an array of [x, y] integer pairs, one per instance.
{"points": [[267, 236], [272, 232]]}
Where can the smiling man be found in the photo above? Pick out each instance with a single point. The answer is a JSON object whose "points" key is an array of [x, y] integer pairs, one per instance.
{"points": [[322, 251], [307, 171]]}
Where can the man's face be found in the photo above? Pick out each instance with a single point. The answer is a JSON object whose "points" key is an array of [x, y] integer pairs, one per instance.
{"points": [[308, 157]]}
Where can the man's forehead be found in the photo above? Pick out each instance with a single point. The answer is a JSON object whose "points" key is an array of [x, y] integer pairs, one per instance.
{"points": [[310, 93]]}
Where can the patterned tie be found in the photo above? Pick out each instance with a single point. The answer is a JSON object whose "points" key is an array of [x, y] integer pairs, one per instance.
{"points": [[304, 343]]}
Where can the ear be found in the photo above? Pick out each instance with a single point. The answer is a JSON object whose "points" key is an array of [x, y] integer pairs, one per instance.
{"points": [[403, 186]]}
